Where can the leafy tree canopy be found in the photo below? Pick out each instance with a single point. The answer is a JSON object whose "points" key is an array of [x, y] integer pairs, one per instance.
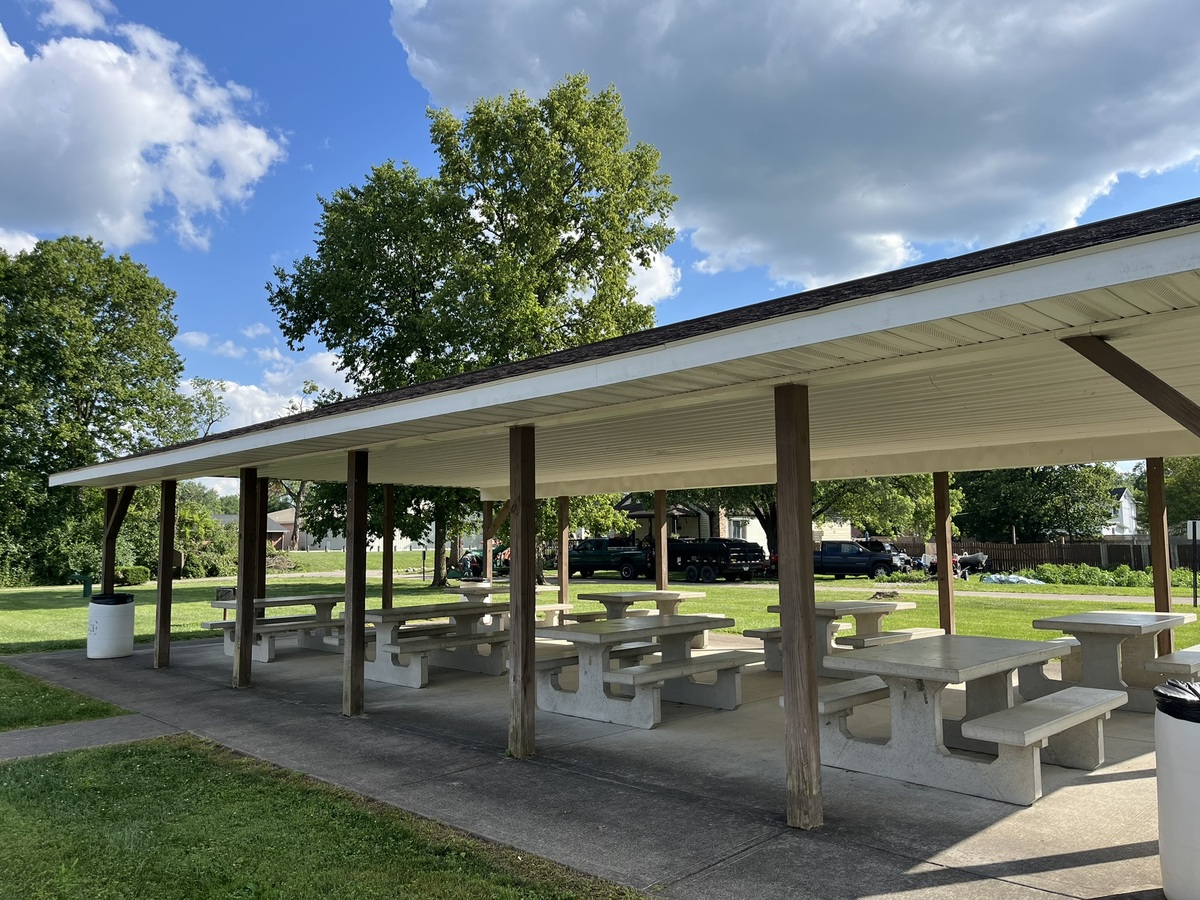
{"points": [[1181, 488], [1043, 503], [88, 372], [524, 243]]}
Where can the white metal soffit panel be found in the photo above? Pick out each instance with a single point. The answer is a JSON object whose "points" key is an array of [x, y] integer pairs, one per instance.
{"points": [[963, 373]]}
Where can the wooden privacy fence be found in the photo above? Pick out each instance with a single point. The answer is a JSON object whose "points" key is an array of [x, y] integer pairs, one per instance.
{"points": [[1102, 554]]}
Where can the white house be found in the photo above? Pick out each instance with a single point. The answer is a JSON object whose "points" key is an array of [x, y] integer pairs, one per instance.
{"points": [[1123, 521]]}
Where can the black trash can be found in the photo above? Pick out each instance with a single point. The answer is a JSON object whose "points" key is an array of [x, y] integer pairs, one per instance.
{"points": [[110, 626], [1177, 750]]}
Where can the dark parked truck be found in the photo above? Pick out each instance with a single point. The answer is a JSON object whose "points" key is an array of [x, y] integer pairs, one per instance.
{"points": [[610, 554], [842, 558], [708, 560]]}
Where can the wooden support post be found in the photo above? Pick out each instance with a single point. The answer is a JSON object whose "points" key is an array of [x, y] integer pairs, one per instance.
{"points": [[260, 589], [247, 578], [1160, 560], [116, 505], [564, 549], [389, 545], [355, 642], [522, 596], [1138, 379], [661, 530], [488, 544], [943, 522], [797, 598], [166, 561]]}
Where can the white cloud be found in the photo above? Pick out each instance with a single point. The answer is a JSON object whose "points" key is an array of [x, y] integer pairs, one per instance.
{"points": [[229, 349], [321, 368], [225, 487], [269, 354], [831, 140], [257, 330], [196, 340], [14, 242], [102, 137], [81, 15], [658, 282], [250, 404]]}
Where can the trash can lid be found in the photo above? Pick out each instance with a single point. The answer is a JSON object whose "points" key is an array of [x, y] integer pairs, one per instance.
{"points": [[1179, 699], [112, 599]]}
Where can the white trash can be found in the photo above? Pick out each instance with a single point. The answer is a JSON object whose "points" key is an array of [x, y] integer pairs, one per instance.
{"points": [[110, 626], [1177, 751]]}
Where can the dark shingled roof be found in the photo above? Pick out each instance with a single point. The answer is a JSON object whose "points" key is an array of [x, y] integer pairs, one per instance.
{"points": [[1153, 221]]}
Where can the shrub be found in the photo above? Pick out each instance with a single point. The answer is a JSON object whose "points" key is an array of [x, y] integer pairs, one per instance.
{"points": [[131, 574]]}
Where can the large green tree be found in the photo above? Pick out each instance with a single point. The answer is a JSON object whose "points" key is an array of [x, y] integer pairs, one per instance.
{"points": [[88, 372], [524, 243], [1181, 487], [1040, 504]]}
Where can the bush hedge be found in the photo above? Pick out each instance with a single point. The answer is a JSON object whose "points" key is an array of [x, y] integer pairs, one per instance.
{"points": [[1121, 576], [131, 574]]}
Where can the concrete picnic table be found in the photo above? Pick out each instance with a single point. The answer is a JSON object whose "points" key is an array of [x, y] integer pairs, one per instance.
{"points": [[392, 628], [322, 605], [1114, 647], [916, 674], [670, 635], [617, 603], [867, 614], [483, 591]]}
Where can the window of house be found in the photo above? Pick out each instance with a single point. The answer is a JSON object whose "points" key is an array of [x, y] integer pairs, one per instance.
{"points": [[738, 528]]}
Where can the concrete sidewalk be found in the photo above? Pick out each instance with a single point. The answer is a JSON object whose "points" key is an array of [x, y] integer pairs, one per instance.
{"points": [[691, 809]]}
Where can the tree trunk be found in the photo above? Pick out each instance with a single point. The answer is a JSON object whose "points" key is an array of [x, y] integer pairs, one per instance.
{"points": [[439, 548]]}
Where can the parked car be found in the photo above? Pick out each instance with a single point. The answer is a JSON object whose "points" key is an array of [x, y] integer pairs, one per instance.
{"points": [[906, 561], [842, 558], [616, 554]]}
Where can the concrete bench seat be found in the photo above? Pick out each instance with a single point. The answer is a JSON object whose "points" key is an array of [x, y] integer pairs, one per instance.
{"points": [[427, 643], [841, 698], [889, 637], [647, 679], [622, 653], [1181, 662], [772, 639], [594, 616], [1068, 725], [406, 661], [266, 630]]}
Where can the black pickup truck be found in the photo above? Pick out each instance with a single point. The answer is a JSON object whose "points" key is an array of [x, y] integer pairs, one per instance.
{"points": [[708, 560], [609, 554], [842, 558]]}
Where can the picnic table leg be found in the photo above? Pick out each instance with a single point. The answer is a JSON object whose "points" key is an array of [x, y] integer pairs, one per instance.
{"points": [[486, 659], [1135, 653], [315, 638], [1102, 660], [868, 622], [989, 694], [828, 632], [591, 700], [413, 672]]}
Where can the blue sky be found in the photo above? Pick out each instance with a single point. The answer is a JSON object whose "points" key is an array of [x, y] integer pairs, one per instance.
{"points": [[809, 142]]}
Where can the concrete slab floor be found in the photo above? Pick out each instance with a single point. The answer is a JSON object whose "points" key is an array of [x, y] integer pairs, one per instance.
{"points": [[693, 808]]}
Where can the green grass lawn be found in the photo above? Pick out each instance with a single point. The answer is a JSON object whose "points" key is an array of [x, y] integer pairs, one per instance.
{"points": [[26, 702], [48, 618], [181, 818]]}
